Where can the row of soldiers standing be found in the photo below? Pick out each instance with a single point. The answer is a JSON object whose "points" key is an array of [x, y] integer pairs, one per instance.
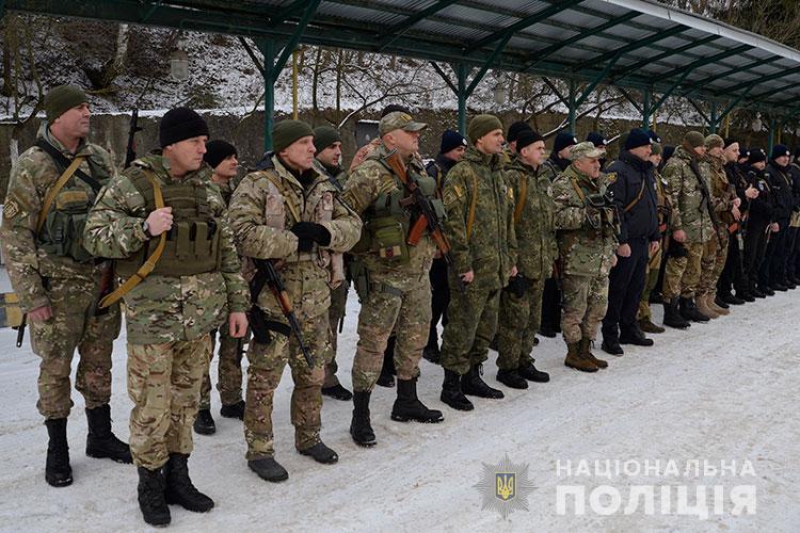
{"points": [[185, 246]]}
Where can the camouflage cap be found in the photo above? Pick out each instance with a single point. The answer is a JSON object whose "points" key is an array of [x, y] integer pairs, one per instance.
{"points": [[398, 120], [586, 150]]}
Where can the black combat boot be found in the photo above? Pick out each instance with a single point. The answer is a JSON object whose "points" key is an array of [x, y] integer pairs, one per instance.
{"points": [[179, 488], [473, 385], [407, 406], [57, 471], [689, 311], [610, 343], [730, 299], [268, 469], [634, 335], [432, 354], [337, 392], [386, 379], [321, 454], [101, 442], [204, 423], [151, 497], [234, 410], [452, 394], [511, 378], [360, 427], [531, 373], [672, 315]]}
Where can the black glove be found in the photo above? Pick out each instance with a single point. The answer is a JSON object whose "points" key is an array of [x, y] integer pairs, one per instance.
{"points": [[519, 285], [677, 250], [310, 233]]}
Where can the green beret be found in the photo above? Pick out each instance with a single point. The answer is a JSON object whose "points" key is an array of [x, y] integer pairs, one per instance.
{"points": [[481, 125], [61, 99], [287, 132], [325, 136]]}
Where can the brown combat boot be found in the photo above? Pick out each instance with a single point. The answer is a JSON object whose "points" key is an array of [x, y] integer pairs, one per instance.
{"points": [[646, 325], [703, 307], [712, 303], [585, 349], [576, 361]]}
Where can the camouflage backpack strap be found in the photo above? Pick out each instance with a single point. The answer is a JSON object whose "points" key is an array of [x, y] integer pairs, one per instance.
{"points": [[281, 187], [577, 188], [55, 189], [472, 206], [523, 197], [150, 264]]}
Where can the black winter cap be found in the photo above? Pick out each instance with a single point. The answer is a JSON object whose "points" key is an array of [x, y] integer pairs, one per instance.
{"points": [[180, 124], [217, 152]]}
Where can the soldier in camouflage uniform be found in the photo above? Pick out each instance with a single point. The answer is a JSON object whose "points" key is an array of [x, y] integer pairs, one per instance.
{"points": [[691, 228], [194, 287], [329, 154], [480, 226], [587, 241], [724, 201], [393, 283], [288, 212], [222, 157], [521, 301], [58, 282]]}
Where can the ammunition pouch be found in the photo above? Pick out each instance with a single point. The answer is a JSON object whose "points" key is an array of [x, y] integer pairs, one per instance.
{"points": [[386, 237], [62, 233]]}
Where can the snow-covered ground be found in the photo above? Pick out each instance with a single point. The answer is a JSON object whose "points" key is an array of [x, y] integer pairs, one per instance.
{"points": [[724, 393]]}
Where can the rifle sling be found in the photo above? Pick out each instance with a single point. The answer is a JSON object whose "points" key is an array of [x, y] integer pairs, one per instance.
{"points": [[150, 264], [62, 161], [55, 189]]}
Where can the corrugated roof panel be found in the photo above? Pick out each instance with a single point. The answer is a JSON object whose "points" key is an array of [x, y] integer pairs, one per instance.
{"points": [[362, 15], [451, 30]]}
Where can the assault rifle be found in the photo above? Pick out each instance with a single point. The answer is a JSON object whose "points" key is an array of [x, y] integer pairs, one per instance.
{"points": [[267, 275], [427, 219], [133, 129]]}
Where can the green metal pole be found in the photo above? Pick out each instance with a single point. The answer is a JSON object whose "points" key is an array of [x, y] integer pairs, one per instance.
{"points": [[771, 136], [573, 90], [714, 122], [267, 47], [461, 72], [647, 108]]}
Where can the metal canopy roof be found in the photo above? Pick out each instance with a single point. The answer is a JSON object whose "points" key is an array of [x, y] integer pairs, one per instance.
{"points": [[633, 44]]}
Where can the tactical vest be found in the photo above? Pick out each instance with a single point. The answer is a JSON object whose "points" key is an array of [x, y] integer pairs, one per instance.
{"points": [[62, 232], [193, 243], [387, 223]]}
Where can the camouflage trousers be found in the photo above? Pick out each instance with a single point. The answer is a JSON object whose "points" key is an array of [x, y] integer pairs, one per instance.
{"points": [[682, 274], [164, 385], [714, 257], [585, 305], [74, 325], [267, 363], [335, 315], [386, 310], [519, 321], [650, 281], [471, 326], [229, 369]]}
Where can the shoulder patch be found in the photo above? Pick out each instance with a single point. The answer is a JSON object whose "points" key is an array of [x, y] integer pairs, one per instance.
{"points": [[10, 209], [611, 177]]}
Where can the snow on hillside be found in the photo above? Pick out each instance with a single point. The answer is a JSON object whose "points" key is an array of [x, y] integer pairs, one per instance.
{"points": [[724, 393]]}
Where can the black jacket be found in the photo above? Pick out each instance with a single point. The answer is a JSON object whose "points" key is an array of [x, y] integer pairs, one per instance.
{"points": [[635, 179], [438, 169], [781, 184], [762, 209], [737, 176]]}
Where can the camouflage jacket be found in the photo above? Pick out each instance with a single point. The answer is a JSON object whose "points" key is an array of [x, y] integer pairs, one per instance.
{"points": [[369, 181], [31, 178], [490, 250], [165, 308], [722, 192], [585, 250], [534, 228], [689, 211], [364, 152], [265, 206]]}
